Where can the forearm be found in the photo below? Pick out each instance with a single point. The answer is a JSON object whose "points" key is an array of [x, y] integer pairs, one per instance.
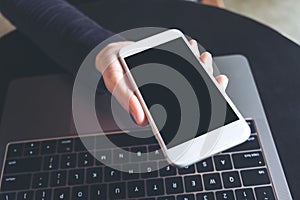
{"points": [[59, 29]]}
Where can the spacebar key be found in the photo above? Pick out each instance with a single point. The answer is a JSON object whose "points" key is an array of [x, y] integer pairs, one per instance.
{"points": [[16, 182], [23, 165]]}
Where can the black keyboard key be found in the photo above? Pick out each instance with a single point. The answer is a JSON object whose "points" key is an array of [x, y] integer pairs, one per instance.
{"points": [[244, 194], [14, 150], [31, 149], [111, 174], [48, 147], [149, 169], [94, 175], [8, 196], [16, 182], [155, 153], [212, 181], [62, 194], [40, 180], [120, 156], [147, 199], [27, 195], [85, 159], [58, 178], [76, 176], [138, 154], [130, 171], [155, 187], [231, 179], [205, 165], [166, 169], [68, 161], [174, 185], [117, 191], [251, 124], [136, 189], [98, 191], [193, 183], [65, 145], [31, 152], [186, 197], [50, 162], [263, 193], [245, 160], [222, 162], [80, 193], [251, 144], [225, 195], [43, 195], [103, 157], [84, 143], [187, 170], [205, 196], [255, 177], [22, 165], [166, 198]]}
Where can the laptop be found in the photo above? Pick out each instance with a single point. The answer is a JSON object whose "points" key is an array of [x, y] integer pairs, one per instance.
{"points": [[43, 158]]}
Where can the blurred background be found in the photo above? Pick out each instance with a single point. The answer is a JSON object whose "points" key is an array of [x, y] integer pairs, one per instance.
{"points": [[281, 15]]}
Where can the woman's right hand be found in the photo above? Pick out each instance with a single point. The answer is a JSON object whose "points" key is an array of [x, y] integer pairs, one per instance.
{"points": [[108, 64]]}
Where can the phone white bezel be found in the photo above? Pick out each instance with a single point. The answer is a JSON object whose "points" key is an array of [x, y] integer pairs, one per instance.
{"points": [[188, 152]]}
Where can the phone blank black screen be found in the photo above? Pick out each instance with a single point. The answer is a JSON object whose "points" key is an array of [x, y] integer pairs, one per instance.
{"points": [[176, 55]]}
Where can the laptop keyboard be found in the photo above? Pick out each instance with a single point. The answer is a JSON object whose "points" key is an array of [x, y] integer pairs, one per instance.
{"points": [[64, 169]]}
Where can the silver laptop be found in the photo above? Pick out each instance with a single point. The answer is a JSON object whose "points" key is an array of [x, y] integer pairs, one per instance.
{"points": [[43, 158]]}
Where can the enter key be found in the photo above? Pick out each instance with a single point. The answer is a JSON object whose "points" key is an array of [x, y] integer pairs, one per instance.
{"points": [[249, 159]]}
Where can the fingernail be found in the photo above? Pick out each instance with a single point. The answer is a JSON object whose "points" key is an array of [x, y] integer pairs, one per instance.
{"points": [[208, 54]]}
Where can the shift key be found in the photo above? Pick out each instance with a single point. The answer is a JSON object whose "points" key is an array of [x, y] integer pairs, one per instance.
{"points": [[255, 177], [16, 182], [23, 165]]}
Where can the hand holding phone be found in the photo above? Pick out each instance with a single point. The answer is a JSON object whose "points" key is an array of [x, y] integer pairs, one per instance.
{"points": [[107, 59], [161, 69]]}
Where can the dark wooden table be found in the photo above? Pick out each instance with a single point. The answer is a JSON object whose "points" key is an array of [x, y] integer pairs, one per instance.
{"points": [[273, 58]]}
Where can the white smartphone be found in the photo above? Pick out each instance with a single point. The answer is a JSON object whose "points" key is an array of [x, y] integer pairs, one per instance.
{"points": [[190, 114]]}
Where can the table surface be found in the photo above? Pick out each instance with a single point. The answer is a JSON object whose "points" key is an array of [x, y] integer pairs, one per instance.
{"points": [[273, 58]]}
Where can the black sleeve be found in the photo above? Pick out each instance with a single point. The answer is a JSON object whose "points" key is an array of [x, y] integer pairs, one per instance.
{"points": [[59, 29]]}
